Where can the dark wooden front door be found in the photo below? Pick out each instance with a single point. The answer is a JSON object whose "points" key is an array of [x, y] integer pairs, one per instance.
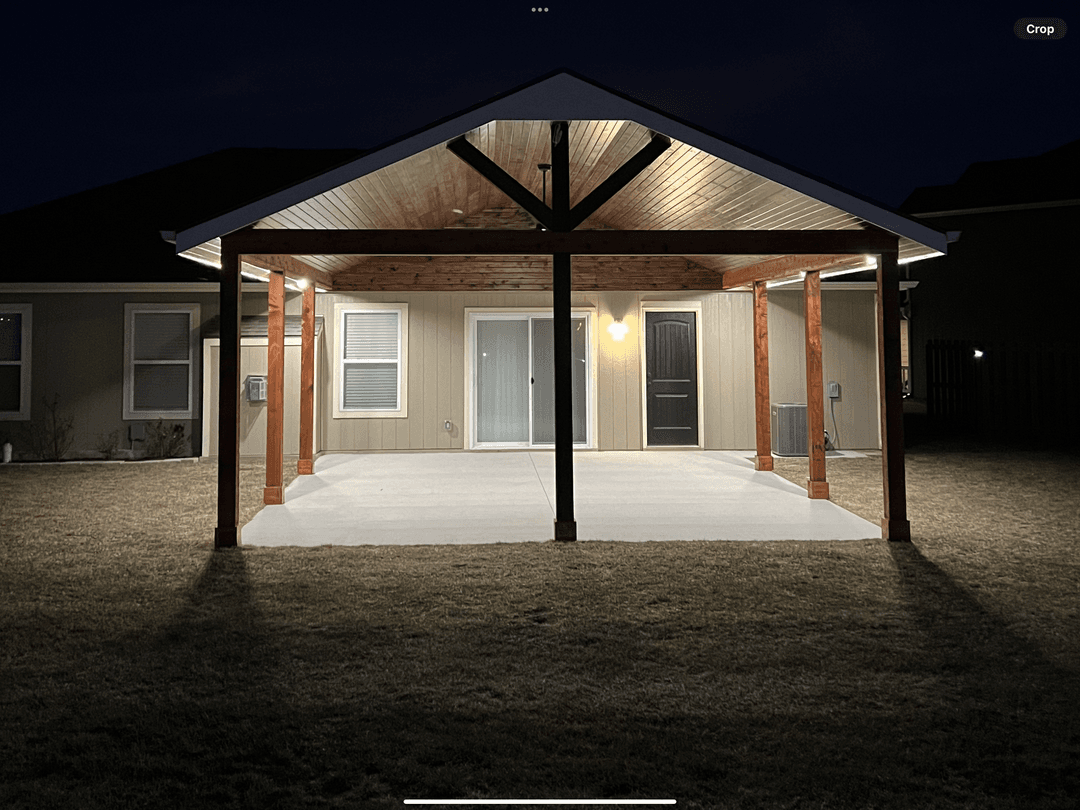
{"points": [[671, 378]]}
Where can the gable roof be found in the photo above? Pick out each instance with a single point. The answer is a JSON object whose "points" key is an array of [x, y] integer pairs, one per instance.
{"points": [[113, 233], [1050, 178], [412, 182]]}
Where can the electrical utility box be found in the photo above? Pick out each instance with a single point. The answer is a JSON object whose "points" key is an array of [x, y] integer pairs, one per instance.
{"points": [[788, 428], [256, 389]]}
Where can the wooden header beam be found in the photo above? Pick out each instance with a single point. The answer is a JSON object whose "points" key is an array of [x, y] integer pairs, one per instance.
{"points": [[292, 268], [786, 267], [469, 242]]}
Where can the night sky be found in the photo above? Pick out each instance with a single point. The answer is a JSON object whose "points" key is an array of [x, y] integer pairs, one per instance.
{"points": [[878, 98]]}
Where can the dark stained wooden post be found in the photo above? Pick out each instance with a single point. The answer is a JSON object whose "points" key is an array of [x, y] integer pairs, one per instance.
{"points": [[562, 283], [895, 525], [307, 381], [816, 485], [227, 533], [763, 460], [275, 388]]}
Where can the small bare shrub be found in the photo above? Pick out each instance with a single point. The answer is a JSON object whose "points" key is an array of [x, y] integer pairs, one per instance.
{"points": [[52, 438], [108, 444], [165, 441]]}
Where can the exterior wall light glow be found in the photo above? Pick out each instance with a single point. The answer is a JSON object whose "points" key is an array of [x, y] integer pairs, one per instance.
{"points": [[618, 330], [978, 353]]}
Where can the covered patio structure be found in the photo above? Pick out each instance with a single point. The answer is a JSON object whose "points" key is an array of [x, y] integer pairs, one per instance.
{"points": [[639, 200]]}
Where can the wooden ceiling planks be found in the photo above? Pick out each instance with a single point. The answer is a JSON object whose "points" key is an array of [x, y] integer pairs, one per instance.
{"points": [[685, 189]]}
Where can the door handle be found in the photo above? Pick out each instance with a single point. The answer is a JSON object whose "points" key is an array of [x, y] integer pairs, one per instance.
{"points": [[532, 381]]}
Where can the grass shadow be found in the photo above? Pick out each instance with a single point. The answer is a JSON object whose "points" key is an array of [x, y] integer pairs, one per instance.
{"points": [[1012, 716], [189, 714]]}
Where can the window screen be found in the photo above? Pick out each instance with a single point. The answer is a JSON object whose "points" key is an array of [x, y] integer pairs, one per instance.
{"points": [[10, 361], [161, 356]]}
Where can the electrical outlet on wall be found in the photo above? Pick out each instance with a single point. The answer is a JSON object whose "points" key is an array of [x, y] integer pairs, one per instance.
{"points": [[834, 390]]}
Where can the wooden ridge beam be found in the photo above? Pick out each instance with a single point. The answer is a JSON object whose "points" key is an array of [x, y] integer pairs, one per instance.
{"points": [[469, 242]]}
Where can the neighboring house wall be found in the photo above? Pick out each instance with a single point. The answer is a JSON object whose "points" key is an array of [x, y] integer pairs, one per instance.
{"points": [[437, 375], [1011, 279], [77, 356]]}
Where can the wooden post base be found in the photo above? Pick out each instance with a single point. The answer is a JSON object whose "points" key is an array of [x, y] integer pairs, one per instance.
{"points": [[565, 530], [818, 490], [227, 537], [763, 463], [305, 467], [897, 531], [272, 495]]}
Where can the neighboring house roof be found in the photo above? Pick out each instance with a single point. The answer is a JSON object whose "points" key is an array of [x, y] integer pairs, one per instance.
{"points": [[1052, 178], [113, 233], [703, 182]]}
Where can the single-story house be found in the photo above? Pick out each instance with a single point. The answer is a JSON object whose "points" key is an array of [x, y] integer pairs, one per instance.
{"points": [[1006, 372], [559, 267]]}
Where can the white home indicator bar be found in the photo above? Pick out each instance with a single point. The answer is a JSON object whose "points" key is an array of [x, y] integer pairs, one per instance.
{"points": [[477, 802]]}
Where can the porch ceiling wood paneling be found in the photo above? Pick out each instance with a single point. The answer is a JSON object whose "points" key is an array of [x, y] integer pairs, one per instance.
{"points": [[685, 189]]}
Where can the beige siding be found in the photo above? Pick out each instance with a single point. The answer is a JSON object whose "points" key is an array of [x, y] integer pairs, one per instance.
{"points": [[729, 352], [253, 414], [849, 358], [437, 376]]}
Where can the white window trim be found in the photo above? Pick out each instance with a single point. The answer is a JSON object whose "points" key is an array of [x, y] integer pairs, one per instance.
{"points": [[472, 315], [26, 310], [191, 412], [340, 309], [671, 306]]}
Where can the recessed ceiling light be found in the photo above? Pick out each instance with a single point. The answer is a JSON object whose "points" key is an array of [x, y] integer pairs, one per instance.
{"points": [[457, 210]]}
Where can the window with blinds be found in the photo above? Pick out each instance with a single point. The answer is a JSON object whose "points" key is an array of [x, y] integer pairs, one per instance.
{"points": [[160, 358], [371, 360], [15, 361]]}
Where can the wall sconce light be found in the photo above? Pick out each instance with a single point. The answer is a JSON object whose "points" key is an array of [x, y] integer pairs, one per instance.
{"points": [[978, 353], [618, 330]]}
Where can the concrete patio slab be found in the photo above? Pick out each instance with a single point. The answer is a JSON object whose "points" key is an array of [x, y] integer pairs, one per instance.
{"points": [[440, 498]]}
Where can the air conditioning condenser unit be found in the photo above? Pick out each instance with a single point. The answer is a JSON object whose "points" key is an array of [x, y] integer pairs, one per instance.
{"points": [[788, 428]]}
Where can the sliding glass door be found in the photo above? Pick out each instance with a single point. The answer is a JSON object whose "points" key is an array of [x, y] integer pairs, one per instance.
{"points": [[514, 378]]}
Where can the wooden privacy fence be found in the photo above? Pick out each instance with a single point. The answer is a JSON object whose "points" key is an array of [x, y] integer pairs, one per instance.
{"points": [[1016, 393]]}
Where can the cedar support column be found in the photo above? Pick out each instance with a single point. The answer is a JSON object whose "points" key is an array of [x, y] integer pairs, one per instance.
{"points": [[275, 389], [763, 460], [227, 533], [307, 381], [895, 525], [562, 283], [816, 485]]}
